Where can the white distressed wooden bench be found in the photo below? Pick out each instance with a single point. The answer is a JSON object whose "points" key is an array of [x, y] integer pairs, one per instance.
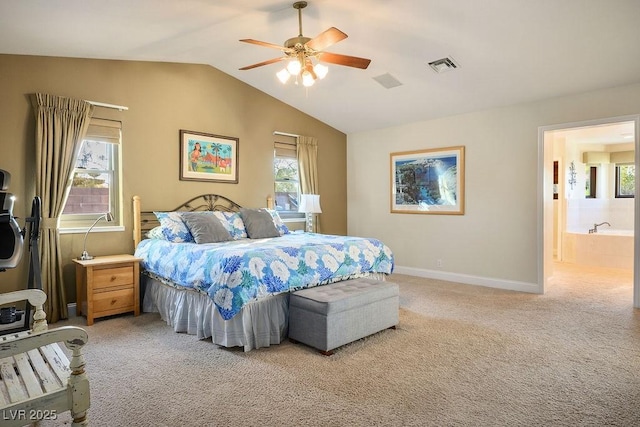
{"points": [[37, 380]]}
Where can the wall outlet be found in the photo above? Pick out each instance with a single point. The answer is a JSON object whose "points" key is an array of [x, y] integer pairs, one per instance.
{"points": [[439, 263]]}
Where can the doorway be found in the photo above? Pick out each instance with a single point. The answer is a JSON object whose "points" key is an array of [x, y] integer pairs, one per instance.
{"points": [[586, 172]]}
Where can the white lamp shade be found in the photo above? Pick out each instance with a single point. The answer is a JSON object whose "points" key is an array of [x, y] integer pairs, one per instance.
{"points": [[309, 203], [307, 79], [283, 75], [321, 70], [294, 67]]}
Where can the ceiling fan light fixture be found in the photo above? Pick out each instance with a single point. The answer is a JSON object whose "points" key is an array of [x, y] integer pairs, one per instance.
{"points": [[294, 67], [283, 75], [302, 52], [307, 79], [321, 70]]}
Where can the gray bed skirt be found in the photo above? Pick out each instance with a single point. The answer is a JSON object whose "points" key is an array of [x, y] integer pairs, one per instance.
{"points": [[259, 324]]}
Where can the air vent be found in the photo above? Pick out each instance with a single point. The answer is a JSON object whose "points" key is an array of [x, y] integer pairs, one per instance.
{"points": [[387, 80], [444, 64]]}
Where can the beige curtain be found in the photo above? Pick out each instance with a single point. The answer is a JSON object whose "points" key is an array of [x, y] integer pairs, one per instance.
{"points": [[307, 149], [61, 124]]}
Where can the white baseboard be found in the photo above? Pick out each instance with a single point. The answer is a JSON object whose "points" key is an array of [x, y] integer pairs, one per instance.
{"points": [[71, 309], [469, 279]]}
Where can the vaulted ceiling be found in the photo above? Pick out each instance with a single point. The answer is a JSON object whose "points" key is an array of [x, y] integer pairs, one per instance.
{"points": [[508, 51]]}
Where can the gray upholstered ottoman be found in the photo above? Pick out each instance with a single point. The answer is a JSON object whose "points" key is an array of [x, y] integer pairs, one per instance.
{"points": [[326, 317]]}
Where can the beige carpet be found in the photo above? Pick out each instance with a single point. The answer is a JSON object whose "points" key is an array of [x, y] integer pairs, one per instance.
{"points": [[461, 356]]}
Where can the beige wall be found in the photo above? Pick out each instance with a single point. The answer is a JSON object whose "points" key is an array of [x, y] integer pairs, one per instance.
{"points": [[495, 241], [162, 99]]}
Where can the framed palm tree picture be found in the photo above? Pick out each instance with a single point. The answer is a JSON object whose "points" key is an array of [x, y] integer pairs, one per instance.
{"points": [[208, 157]]}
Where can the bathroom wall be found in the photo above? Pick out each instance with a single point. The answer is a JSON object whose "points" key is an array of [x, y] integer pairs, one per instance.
{"points": [[581, 212]]}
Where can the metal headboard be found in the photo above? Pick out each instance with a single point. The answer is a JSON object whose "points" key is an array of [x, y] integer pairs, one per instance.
{"points": [[143, 221]]}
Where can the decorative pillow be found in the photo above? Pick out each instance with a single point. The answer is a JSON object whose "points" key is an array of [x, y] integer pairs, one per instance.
{"points": [[173, 227], [205, 228], [259, 223], [232, 221], [277, 221], [156, 233]]}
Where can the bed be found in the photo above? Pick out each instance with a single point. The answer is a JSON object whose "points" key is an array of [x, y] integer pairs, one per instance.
{"points": [[235, 290]]}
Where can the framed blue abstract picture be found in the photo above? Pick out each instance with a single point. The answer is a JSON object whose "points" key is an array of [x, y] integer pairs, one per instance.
{"points": [[428, 181]]}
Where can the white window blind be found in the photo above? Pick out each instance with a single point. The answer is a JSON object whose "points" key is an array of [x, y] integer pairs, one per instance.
{"points": [[104, 130]]}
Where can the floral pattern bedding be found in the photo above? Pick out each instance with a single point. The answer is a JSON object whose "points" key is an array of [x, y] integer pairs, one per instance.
{"points": [[237, 272]]}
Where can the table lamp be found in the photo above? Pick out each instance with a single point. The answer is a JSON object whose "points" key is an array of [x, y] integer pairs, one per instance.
{"points": [[310, 205], [85, 255]]}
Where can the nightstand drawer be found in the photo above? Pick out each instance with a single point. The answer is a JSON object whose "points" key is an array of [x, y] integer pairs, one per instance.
{"points": [[107, 285], [113, 301], [112, 277]]}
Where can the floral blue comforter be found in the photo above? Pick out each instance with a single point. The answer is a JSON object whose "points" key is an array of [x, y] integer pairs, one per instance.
{"points": [[237, 272]]}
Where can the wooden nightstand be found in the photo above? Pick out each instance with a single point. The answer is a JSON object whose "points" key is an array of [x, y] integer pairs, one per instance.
{"points": [[107, 285]]}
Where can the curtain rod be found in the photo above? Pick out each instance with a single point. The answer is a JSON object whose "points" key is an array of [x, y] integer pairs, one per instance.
{"points": [[293, 135], [102, 104]]}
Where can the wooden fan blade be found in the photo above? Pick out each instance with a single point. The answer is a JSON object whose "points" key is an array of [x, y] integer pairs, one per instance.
{"points": [[260, 64], [326, 39], [265, 44], [308, 66], [346, 60]]}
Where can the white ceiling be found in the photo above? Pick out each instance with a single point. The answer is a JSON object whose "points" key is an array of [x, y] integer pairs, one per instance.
{"points": [[509, 51], [605, 134]]}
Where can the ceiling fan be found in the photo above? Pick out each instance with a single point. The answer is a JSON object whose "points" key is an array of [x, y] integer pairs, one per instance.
{"points": [[301, 51]]}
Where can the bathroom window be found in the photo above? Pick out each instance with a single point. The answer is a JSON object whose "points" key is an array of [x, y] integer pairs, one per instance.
{"points": [[590, 188], [625, 180]]}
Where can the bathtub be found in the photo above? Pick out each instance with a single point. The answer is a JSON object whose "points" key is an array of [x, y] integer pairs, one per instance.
{"points": [[614, 232], [608, 247]]}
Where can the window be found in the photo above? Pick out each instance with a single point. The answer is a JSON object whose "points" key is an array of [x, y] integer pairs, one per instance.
{"points": [[591, 182], [625, 180], [287, 186], [95, 188], [286, 179]]}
